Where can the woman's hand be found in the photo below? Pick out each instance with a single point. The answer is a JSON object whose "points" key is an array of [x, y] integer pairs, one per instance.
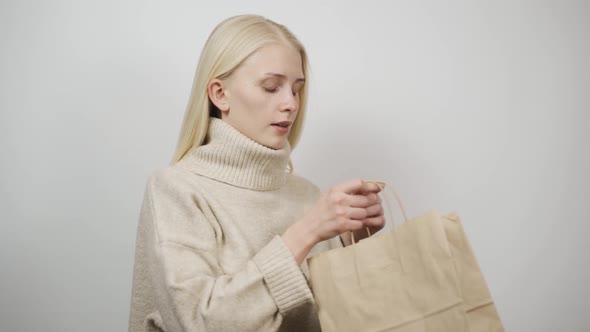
{"points": [[373, 223], [349, 206]]}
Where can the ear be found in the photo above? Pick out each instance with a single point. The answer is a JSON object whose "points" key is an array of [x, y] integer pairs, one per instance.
{"points": [[218, 94]]}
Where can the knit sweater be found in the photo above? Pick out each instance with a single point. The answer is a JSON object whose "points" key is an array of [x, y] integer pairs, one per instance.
{"points": [[209, 254]]}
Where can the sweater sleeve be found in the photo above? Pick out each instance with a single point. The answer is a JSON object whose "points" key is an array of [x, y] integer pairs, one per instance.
{"points": [[191, 292]]}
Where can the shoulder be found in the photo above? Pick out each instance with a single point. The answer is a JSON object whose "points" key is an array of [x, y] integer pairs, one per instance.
{"points": [[171, 187], [177, 208], [169, 179]]}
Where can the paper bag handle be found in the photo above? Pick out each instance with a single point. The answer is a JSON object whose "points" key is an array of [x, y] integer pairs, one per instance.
{"points": [[381, 185]]}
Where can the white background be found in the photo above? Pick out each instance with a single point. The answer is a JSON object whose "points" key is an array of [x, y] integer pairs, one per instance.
{"points": [[475, 106]]}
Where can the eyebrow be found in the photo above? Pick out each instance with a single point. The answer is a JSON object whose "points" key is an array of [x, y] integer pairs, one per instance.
{"points": [[284, 77]]}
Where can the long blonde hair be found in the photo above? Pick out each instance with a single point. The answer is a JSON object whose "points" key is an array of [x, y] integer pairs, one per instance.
{"points": [[230, 43]]}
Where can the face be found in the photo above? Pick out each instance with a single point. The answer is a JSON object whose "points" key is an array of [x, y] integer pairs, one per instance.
{"points": [[262, 91]]}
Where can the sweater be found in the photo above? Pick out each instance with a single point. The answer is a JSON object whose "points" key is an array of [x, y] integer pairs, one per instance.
{"points": [[209, 254]]}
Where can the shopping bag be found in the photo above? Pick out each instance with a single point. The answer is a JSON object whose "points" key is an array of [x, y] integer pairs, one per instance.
{"points": [[420, 276], [479, 306]]}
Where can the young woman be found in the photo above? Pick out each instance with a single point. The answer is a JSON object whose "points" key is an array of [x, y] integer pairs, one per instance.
{"points": [[225, 229]]}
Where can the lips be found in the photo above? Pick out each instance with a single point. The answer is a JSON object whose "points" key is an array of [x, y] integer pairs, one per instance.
{"points": [[283, 124]]}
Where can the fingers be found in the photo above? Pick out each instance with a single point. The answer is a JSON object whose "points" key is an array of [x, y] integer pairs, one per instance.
{"points": [[353, 225], [373, 187], [351, 186], [359, 218], [356, 186], [363, 213], [376, 222], [362, 200], [374, 210], [357, 204]]}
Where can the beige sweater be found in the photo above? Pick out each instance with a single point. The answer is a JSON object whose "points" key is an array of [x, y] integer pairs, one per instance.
{"points": [[209, 256]]}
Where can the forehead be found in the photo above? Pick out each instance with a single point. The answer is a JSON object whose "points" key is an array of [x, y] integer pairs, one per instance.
{"points": [[276, 58]]}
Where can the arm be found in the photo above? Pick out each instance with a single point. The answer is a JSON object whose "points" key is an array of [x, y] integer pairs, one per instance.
{"points": [[192, 293]]}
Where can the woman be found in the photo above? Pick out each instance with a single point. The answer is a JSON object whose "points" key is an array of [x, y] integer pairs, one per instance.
{"points": [[225, 229]]}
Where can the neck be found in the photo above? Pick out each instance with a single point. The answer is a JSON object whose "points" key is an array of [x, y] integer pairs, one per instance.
{"points": [[233, 158]]}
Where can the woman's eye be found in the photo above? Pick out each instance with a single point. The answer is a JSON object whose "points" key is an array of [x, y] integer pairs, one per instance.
{"points": [[271, 90]]}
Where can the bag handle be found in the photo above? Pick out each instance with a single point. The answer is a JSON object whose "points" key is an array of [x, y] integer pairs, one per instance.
{"points": [[381, 186]]}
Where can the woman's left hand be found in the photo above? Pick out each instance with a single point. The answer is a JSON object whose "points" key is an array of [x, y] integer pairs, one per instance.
{"points": [[374, 221]]}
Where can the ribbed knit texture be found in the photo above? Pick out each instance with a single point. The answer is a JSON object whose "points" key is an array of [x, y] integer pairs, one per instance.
{"points": [[209, 252], [282, 276], [233, 158]]}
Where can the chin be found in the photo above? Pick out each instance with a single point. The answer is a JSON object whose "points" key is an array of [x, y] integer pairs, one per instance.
{"points": [[275, 145]]}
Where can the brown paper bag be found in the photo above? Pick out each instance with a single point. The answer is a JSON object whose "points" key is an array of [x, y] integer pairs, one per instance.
{"points": [[419, 277], [478, 303]]}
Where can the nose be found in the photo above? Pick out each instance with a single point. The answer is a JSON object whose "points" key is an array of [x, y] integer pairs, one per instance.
{"points": [[290, 102]]}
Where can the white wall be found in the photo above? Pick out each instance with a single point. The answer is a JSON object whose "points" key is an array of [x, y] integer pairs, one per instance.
{"points": [[475, 106]]}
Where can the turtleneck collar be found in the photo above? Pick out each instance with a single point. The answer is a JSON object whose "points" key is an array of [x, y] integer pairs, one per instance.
{"points": [[232, 157]]}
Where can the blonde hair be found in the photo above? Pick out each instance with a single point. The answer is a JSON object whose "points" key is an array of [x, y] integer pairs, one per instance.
{"points": [[229, 44]]}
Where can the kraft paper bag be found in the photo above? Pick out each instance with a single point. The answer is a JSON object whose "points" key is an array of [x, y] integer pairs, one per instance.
{"points": [[478, 303], [421, 276]]}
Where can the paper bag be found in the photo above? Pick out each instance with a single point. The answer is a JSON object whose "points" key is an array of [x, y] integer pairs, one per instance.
{"points": [[420, 276]]}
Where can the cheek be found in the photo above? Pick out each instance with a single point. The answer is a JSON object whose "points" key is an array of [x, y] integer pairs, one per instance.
{"points": [[254, 99]]}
